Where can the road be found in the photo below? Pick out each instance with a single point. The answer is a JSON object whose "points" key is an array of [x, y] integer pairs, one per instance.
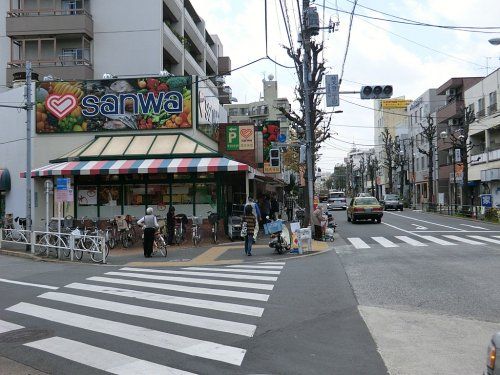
{"points": [[427, 287], [293, 317]]}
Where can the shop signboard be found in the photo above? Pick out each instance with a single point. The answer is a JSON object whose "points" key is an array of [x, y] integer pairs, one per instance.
{"points": [[270, 134], [395, 103], [240, 137], [210, 113], [147, 103], [64, 192], [487, 200]]}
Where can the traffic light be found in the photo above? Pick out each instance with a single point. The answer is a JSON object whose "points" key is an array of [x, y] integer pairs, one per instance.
{"points": [[376, 92], [274, 157]]}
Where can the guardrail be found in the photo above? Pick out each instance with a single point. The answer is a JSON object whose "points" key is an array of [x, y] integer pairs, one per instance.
{"points": [[72, 244], [476, 212]]}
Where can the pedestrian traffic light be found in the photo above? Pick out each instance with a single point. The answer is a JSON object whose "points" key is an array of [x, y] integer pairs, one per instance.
{"points": [[274, 157], [376, 92]]}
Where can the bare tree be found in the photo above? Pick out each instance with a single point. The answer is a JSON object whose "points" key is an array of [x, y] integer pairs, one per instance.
{"points": [[372, 170], [429, 132], [388, 162], [362, 172]]}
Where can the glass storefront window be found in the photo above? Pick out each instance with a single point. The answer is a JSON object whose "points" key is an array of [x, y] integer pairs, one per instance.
{"points": [[206, 199], [109, 201], [182, 198], [159, 198], [86, 200], [135, 200]]}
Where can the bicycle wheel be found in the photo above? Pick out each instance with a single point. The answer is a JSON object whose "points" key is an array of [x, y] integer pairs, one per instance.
{"points": [[162, 248], [125, 240], [111, 239], [78, 250], [97, 256], [42, 245]]}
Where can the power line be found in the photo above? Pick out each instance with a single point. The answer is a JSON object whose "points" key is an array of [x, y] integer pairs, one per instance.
{"points": [[348, 40], [12, 141]]}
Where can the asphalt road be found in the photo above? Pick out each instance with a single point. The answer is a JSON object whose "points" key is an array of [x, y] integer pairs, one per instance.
{"points": [[427, 286], [293, 317]]}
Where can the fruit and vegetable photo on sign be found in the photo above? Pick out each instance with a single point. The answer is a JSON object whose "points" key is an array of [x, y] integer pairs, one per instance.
{"points": [[114, 104], [270, 133]]}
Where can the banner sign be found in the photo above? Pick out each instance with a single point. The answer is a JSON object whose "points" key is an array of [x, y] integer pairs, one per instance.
{"points": [[270, 133], [113, 104], [395, 103], [64, 192], [210, 112], [240, 137]]}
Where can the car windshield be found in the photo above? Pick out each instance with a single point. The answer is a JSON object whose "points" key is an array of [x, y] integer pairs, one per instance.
{"points": [[336, 195], [391, 197], [366, 201]]}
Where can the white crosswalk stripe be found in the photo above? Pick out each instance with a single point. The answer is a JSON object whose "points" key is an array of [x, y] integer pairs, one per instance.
{"points": [[487, 239], [257, 267], [174, 300], [114, 302], [101, 359], [275, 263], [236, 284], [439, 241], [464, 240], [358, 243], [410, 241], [385, 242], [196, 273]]}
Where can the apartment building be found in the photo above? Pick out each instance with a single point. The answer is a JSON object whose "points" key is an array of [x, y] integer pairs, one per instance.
{"points": [[83, 39], [450, 118], [484, 137]]}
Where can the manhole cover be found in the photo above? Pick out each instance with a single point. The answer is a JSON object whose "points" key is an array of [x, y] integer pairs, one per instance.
{"points": [[24, 335]]}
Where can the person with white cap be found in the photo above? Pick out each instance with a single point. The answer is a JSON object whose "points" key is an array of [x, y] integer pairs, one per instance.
{"points": [[150, 225], [256, 213]]}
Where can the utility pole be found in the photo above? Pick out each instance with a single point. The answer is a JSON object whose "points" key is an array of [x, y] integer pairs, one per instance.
{"points": [[306, 39], [29, 109]]}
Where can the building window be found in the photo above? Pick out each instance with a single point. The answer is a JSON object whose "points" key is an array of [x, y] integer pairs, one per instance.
{"points": [[134, 196], [492, 108], [86, 197], [480, 108], [109, 200]]}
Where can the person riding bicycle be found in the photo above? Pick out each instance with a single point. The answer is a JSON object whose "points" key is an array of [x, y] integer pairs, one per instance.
{"points": [[150, 225]]}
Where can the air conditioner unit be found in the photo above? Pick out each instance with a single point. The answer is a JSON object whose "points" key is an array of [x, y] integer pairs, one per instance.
{"points": [[451, 92], [453, 121]]}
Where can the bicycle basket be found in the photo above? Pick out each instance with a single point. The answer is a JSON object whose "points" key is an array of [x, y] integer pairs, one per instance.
{"points": [[121, 222], [273, 227], [213, 217]]}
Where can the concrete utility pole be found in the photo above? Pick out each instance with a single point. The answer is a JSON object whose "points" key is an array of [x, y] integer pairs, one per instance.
{"points": [[29, 109], [306, 39]]}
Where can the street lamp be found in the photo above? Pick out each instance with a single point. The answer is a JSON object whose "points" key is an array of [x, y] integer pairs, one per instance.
{"points": [[494, 41]]}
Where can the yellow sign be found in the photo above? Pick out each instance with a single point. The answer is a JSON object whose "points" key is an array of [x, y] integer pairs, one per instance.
{"points": [[395, 103], [269, 169]]}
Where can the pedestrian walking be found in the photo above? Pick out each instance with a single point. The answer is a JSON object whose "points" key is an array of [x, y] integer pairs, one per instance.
{"points": [[150, 225], [256, 212], [275, 207], [290, 205], [249, 220], [170, 225], [265, 209]]}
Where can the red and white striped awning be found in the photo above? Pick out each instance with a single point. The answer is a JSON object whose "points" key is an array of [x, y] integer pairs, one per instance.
{"points": [[176, 165]]}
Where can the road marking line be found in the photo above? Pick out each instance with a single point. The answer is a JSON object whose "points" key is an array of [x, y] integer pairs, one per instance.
{"points": [[169, 341], [438, 240], [101, 359], [198, 321], [496, 236], [236, 284], [473, 226], [275, 263], [487, 239], [264, 272], [410, 241], [385, 242], [183, 288], [173, 300], [425, 221], [7, 326], [358, 243], [257, 267], [29, 284], [419, 227], [464, 240], [195, 273]]}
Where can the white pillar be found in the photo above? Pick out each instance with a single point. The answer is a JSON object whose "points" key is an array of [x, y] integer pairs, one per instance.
{"points": [[247, 185]]}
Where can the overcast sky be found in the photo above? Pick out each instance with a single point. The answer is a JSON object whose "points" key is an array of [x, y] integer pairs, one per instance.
{"points": [[411, 58]]}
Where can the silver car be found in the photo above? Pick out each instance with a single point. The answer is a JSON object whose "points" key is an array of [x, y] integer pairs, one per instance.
{"points": [[392, 201], [336, 200]]}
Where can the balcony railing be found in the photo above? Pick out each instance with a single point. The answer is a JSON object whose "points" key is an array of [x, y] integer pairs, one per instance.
{"points": [[61, 61], [47, 12], [492, 108], [480, 113]]}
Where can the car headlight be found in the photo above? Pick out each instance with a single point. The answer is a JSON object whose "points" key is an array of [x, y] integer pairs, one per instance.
{"points": [[492, 355]]}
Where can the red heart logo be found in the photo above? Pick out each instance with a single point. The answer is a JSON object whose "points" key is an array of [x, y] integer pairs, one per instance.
{"points": [[61, 105], [246, 133]]}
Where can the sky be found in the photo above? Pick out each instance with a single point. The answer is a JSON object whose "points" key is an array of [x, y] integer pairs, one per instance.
{"points": [[410, 58]]}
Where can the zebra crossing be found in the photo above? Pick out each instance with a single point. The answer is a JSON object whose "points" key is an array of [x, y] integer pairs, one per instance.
{"points": [[194, 311], [422, 240]]}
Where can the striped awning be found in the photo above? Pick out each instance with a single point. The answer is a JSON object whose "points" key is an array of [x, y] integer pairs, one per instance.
{"points": [[176, 165]]}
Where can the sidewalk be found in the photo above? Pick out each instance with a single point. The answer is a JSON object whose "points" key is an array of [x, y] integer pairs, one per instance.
{"points": [[183, 255]]}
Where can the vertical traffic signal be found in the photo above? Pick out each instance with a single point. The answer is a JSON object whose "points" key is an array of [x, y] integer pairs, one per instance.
{"points": [[274, 157]]}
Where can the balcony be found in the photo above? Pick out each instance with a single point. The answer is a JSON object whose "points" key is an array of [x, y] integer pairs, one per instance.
{"points": [[66, 73], [494, 155], [172, 44], [29, 22], [478, 158], [451, 110], [480, 114], [492, 109]]}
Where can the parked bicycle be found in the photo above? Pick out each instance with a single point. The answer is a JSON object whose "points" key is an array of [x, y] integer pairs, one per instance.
{"points": [[180, 228], [159, 245], [195, 230], [213, 219]]}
